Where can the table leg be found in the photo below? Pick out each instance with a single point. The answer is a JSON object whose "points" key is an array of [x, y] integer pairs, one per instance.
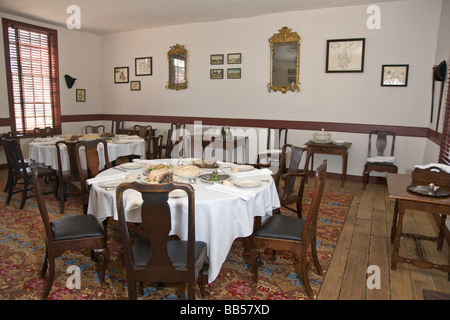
{"points": [[394, 221], [344, 167], [398, 233]]}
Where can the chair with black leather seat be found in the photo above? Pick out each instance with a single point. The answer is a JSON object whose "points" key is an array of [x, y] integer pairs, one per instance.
{"points": [[93, 161], [376, 158], [154, 258], [297, 235], [20, 179], [43, 132], [289, 176], [72, 233]]}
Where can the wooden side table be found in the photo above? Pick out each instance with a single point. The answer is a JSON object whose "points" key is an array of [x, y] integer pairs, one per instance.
{"points": [[404, 200], [330, 148]]}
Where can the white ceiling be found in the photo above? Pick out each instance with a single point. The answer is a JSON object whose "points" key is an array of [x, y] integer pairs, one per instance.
{"points": [[111, 16]]}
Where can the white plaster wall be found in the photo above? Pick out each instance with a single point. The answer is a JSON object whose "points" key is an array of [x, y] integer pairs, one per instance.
{"points": [[408, 35]]}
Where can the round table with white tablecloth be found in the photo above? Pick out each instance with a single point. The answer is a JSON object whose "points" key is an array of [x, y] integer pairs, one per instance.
{"points": [[43, 150], [222, 214]]}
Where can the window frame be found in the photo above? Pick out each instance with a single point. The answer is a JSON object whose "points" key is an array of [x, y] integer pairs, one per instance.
{"points": [[54, 75]]}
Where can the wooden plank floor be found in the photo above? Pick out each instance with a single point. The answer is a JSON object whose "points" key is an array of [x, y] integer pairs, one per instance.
{"points": [[365, 241]]}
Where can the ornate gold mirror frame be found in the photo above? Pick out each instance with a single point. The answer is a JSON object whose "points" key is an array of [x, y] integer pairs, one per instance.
{"points": [[177, 57], [284, 61]]}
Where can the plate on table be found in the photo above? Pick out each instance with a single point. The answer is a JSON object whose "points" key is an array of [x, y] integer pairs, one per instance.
{"points": [[111, 183], [425, 191], [178, 193], [243, 167], [248, 183], [216, 177], [122, 141], [131, 165]]}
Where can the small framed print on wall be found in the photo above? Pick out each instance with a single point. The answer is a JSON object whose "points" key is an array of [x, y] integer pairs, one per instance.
{"points": [[121, 75], [81, 95], [233, 73], [394, 75], [216, 73], [234, 58], [143, 66], [345, 55], [216, 59], [135, 85]]}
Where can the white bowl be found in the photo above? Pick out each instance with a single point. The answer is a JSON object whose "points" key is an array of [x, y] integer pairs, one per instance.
{"points": [[339, 142]]}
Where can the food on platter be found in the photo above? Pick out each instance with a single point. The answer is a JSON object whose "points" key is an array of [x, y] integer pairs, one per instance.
{"points": [[214, 177], [159, 175], [91, 136], [150, 167], [72, 137], [186, 171], [206, 164]]}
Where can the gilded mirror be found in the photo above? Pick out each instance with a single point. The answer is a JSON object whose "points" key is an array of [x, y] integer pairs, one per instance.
{"points": [[177, 57], [284, 61]]}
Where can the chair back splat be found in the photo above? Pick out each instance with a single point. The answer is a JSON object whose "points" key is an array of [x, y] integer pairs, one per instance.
{"points": [[154, 258]]}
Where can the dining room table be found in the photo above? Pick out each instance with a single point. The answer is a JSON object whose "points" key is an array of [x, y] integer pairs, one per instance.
{"points": [[43, 150], [223, 213]]}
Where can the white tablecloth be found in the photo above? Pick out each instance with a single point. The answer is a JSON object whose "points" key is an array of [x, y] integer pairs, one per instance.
{"points": [[43, 151], [220, 218]]}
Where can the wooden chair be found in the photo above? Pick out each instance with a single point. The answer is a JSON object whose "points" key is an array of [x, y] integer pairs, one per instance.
{"points": [[155, 258], [72, 233], [71, 177], [20, 179], [93, 164], [153, 147], [117, 126], [43, 132], [380, 162], [293, 234], [94, 129], [175, 133], [289, 176], [276, 139]]}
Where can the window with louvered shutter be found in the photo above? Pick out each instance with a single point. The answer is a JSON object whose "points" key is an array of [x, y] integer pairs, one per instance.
{"points": [[444, 155], [31, 52]]}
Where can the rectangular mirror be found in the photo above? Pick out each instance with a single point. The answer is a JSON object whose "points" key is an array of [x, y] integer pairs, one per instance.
{"points": [[177, 57], [285, 61]]}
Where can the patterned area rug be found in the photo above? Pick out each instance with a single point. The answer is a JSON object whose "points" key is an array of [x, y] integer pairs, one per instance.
{"points": [[22, 252]]}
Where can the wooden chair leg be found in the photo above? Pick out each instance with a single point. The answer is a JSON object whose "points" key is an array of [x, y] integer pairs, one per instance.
{"points": [[254, 259], [44, 265], [131, 289], [305, 280], [51, 277], [316, 258]]}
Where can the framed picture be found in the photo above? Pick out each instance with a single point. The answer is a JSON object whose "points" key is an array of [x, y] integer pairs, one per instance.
{"points": [[143, 66], [233, 73], [345, 55], [394, 75], [121, 75], [217, 59], [216, 73], [135, 85], [234, 58], [81, 95]]}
